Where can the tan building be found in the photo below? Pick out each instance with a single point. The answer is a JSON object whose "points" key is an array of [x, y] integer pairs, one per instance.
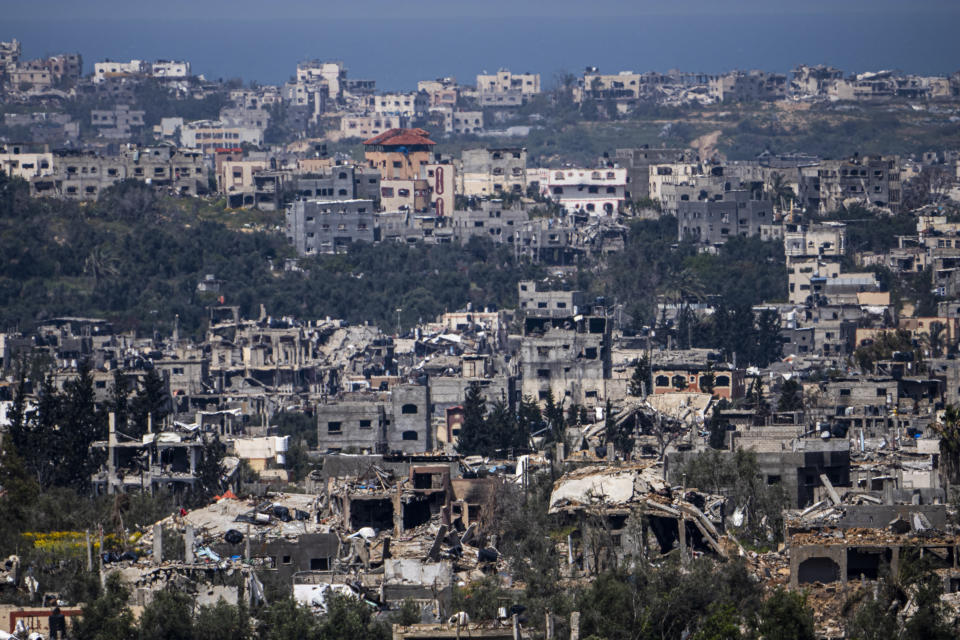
{"points": [[503, 81], [399, 153], [365, 126], [404, 194]]}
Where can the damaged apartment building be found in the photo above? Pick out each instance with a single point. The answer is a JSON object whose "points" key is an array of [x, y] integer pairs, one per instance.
{"points": [[565, 350], [379, 422]]}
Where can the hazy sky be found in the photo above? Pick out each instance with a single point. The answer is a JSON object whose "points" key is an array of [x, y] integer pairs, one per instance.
{"points": [[313, 9], [397, 42]]}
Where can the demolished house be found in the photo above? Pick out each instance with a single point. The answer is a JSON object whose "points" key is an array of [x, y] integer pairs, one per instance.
{"points": [[630, 510]]}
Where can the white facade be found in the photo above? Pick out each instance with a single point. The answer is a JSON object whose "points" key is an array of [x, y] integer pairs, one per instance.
{"points": [[367, 126], [103, 70], [503, 82], [460, 122], [670, 173], [26, 165], [329, 74], [210, 135], [593, 191], [410, 105], [170, 69]]}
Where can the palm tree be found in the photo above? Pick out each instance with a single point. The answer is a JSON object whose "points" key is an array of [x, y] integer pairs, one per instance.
{"points": [[933, 339], [781, 192], [681, 286], [100, 264], [949, 431]]}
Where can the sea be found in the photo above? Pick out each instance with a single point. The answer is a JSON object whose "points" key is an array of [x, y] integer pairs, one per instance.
{"points": [[399, 52]]}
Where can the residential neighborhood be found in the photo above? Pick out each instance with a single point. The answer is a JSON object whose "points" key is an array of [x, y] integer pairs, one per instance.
{"points": [[480, 357]]}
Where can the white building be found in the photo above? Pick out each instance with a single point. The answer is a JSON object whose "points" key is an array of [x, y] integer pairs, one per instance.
{"points": [[108, 69], [410, 105], [367, 126], [592, 191], [460, 122], [210, 135], [170, 69]]}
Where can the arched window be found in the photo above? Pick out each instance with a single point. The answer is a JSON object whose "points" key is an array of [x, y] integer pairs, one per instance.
{"points": [[410, 435], [723, 381], [408, 409], [662, 381], [680, 382]]}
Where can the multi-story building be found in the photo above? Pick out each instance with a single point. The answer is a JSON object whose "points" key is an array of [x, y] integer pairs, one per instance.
{"points": [[330, 75], [404, 194], [329, 226], [366, 126], [592, 192], [486, 172], [21, 162], [505, 89], [104, 70], [565, 350], [170, 69], [9, 55], [461, 122], [210, 135], [338, 182], [30, 75], [504, 82], [397, 421], [868, 180], [409, 105], [443, 92], [638, 160], [399, 153], [83, 175], [441, 180], [117, 123], [713, 222], [746, 86], [491, 220]]}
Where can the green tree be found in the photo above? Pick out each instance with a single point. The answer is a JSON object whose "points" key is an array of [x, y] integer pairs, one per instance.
{"points": [[723, 623], [949, 432], [640, 381], [785, 616], [169, 616], [474, 438], [349, 618], [107, 617], [119, 402], [222, 621], [81, 424], [209, 471], [152, 399], [791, 396], [284, 619], [19, 495]]}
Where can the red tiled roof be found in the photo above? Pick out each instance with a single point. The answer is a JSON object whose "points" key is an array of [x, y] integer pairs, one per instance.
{"points": [[401, 137]]}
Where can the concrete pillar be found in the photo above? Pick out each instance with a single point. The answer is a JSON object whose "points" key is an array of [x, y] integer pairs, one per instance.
{"points": [[843, 566], [575, 625], [246, 544], [157, 543], [682, 538], [188, 544], [111, 451], [89, 551], [894, 561], [397, 512], [548, 626]]}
